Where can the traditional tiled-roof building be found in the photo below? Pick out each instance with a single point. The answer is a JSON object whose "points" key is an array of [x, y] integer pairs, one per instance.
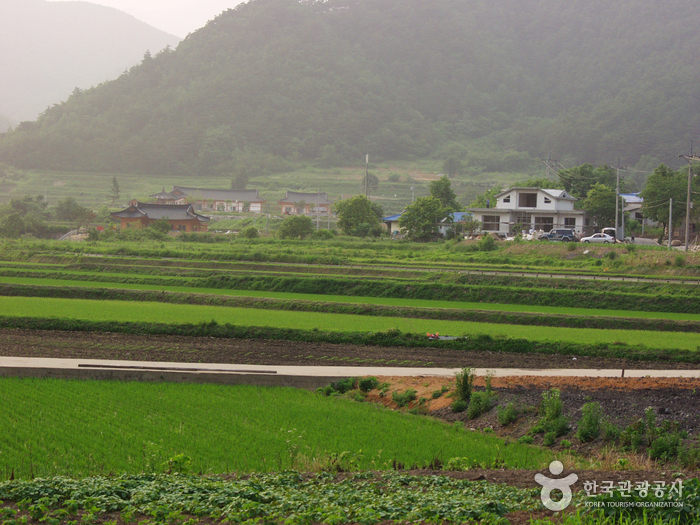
{"points": [[181, 217], [298, 203], [212, 199]]}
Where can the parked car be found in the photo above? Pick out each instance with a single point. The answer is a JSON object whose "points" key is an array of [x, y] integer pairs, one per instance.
{"points": [[599, 237], [559, 234]]}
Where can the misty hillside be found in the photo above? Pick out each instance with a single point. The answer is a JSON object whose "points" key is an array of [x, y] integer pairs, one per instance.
{"points": [[49, 48], [497, 84]]}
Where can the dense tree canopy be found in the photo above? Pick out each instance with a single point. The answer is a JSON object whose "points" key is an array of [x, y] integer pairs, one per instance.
{"points": [[274, 81], [600, 205], [359, 216], [295, 227], [421, 219], [441, 189]]}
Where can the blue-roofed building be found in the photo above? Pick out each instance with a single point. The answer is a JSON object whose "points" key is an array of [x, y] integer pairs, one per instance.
{"points": [[392, 224], [449, 222]]}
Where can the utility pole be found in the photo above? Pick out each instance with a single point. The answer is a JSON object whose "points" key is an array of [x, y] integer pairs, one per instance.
{"points": [[689, 158], [318, 210], [670, 222], [617, 199], [267, 221], [367, 175]]}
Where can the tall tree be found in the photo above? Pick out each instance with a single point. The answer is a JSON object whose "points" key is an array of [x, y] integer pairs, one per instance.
{"points": [[441, 189], [357, 216], [661, 186], [114, 190], [600, 205], [421, 220]]}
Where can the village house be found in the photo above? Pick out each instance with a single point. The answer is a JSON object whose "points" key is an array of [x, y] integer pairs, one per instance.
{"points": [[206, 199], [392, 224], [532, 208], [181, 217], [297, 203]]}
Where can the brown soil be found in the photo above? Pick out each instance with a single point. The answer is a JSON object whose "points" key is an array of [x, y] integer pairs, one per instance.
{"points": [[97, 345]]}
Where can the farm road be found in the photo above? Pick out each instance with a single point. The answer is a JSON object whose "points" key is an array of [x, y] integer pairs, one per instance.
{"points": [[326, 371]]}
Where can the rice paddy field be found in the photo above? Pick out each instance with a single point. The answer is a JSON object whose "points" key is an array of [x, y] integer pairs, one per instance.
{"points": [[104, 451], [82, 428]]}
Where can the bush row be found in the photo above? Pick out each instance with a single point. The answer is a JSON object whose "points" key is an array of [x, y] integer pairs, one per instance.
{"points": [[394, 337], [262, 303]]}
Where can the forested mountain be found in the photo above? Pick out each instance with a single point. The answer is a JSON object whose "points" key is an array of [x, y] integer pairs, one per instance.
{"points": [[49, 48], [496, 83]]}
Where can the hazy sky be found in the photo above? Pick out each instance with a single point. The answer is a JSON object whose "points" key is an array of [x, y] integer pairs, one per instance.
{"points": [[178, 17]]}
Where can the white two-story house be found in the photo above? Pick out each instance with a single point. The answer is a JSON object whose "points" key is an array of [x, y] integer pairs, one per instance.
{"points": [[533, 208]]}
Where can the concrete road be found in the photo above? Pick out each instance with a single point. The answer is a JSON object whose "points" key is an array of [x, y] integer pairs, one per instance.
{"points": [[86, 365]]}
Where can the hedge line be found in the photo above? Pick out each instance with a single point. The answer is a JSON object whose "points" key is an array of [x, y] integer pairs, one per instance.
{"points": [[264, 303], [389, 338]]}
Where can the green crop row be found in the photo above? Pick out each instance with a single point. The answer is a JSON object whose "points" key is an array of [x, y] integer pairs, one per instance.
{"points": [[79, 428], [351, 287], [482, 316]]}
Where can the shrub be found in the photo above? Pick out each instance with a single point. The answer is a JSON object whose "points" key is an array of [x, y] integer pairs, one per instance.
{"points": [[487, 243], [323, 235], [589, 426], [665, 447], [479, 403], [526, 440], [251, 232], [459, 405], [465, 383], [368, 383], [551, 411], [549, 439], [403, 399], [611, 432], [508, 414], [344, 385], [679, 261]]}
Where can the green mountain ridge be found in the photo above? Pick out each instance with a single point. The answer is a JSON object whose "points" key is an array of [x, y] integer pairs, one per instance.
{"points": [[497, 84]]}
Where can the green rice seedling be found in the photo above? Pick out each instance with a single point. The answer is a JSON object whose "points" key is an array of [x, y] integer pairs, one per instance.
{"points": [[83, 428]]}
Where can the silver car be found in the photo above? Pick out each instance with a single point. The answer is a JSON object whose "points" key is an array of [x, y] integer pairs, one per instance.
{"points": [[599, 237]]}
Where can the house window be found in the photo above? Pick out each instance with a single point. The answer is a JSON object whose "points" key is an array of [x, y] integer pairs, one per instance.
{"points": [[506, 199], [570, 222], [547, 200], [544, 223], [491, 223], [527, 200]]}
